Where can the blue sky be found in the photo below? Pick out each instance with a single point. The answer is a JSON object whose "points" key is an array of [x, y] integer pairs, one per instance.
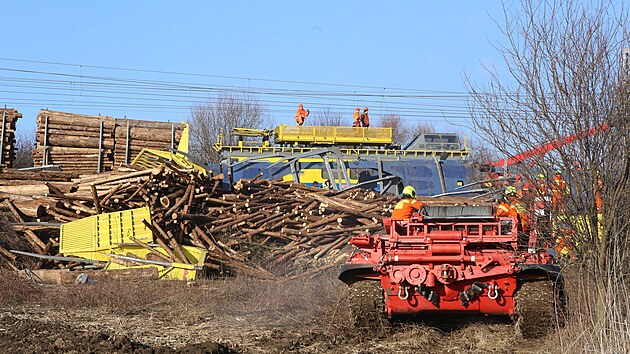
{"points": [[281, 48]]}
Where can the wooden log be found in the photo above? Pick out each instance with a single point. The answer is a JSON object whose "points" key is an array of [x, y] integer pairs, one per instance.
{"points": [[136, 123], [97, 203], [112, 191], [156, 233], [177, 248], [183, 199], [32, 209], [109, 179], [79, 141], [151, 250], [170, 199], [10, 256], [27, 189], [63, 118], [341, 241]]}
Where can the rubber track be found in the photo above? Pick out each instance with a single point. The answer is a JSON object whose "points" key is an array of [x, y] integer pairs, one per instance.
{"points": [[367, 307], [536, 304]]}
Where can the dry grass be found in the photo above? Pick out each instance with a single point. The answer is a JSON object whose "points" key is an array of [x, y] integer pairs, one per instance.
{"points": [[598, 317], [291, 301], [311, 316]]}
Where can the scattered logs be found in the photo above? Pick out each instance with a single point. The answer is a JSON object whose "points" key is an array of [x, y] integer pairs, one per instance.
{"points": [[259, 228]]}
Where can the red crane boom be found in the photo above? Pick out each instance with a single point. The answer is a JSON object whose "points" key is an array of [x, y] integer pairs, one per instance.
{"points": [[545, 148]]}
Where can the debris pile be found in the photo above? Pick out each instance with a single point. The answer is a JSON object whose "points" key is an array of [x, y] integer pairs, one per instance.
{"points": [[254, 228]]}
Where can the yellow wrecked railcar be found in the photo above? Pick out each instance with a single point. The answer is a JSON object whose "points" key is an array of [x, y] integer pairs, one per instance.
{"points": [[151, 158], [110, 238]]}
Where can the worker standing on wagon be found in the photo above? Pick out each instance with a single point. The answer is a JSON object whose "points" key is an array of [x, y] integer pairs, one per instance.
{"points": [[365, 118], [356, 117], [407, 204], [301, 114]]}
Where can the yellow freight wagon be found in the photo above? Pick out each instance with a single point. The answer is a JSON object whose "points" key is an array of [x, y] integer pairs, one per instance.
{"points": [[108, 238]]}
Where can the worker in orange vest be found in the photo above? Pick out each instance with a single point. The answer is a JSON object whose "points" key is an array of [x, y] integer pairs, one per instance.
{"points": [[407, 204], [541, 185], [542, 200], [598, 190], [301, 114], [357, 117], [365, 118], [558, 190], [511, 207]]}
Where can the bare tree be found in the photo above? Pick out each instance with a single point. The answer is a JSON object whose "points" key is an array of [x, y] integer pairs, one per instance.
{"points": [[403, 133], [421, 128], [480, 157], [400, 131], [24, 143], [218, 117], [564, 89], [328, 117]]}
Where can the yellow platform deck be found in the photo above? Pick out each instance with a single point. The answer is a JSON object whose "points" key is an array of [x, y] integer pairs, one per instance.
{"points": [[322, 135]]}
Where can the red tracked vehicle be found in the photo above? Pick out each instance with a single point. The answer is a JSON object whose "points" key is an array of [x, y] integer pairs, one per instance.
{"points": [[454, 259]]}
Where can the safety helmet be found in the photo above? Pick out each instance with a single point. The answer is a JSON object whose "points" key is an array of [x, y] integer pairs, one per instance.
{"points": [[541, 176], [365, 108], [409, 191], [510, 190], [358, 109], [558, 172]]}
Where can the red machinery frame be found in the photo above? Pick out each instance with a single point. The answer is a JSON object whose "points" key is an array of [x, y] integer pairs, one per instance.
{"points": [[471, 264]]}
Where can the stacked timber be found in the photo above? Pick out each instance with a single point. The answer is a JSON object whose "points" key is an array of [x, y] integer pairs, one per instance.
{"points": [[257, 227], [74, 142], [7, 136], [134, 135]]}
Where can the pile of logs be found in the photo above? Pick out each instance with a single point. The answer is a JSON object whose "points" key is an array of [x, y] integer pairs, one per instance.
{"points": [[133, 135], [257, 228], [76, 142], [72, 141], [7, 136]]}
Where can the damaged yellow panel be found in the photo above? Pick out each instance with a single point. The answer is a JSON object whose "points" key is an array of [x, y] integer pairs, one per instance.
{"points": [[107, 237], [176, 271], [91, 236], [150, 158]]}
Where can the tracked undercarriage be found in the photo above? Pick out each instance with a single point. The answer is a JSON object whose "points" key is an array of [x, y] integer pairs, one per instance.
{"points": [[439, 263]]}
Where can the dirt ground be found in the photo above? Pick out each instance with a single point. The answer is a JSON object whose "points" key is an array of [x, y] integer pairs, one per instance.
{"points": [[236, 315]]}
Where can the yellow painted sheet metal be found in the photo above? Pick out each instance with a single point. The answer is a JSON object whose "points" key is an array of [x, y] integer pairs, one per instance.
{"points": [[178, 271], [332, 135], [97, 236], [150, 158], [183, 141], [104, 231]]}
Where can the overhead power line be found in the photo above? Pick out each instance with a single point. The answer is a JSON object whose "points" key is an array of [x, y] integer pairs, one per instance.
{"points": [[32, 86]]}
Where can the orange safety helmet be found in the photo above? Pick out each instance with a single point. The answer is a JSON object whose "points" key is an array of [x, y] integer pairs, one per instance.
{"points": [[300, 106], [358, 109], [365, 108]]}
